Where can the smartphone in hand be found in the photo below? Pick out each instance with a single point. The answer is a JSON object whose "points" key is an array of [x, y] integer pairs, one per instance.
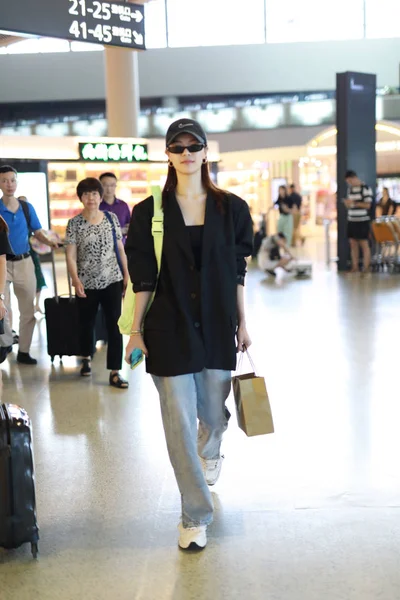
{"points": [[137, 357]]}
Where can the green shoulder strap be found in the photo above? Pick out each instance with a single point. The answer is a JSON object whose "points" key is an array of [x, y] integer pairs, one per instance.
{"points": [[157, 230], [157, 225]]}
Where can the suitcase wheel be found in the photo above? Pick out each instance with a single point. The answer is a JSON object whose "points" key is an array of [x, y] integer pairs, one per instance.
{"points": [[34, 550], [52, 358], [61, 357]]}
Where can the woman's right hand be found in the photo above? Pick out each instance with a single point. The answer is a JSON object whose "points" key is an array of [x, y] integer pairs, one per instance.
{"points": [[79, 289], [135, 343]]}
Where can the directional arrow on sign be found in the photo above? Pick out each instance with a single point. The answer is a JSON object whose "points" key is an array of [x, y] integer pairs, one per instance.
{"points": [[137, 15], [138, 38]]}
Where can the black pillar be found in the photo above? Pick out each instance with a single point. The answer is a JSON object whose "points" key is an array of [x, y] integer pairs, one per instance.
{"points": [[356, 138]]}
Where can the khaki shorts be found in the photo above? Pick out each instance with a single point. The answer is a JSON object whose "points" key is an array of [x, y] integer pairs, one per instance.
{"points": [[269, 265]]}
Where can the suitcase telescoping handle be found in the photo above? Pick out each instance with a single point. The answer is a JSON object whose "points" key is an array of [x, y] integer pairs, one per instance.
{"points": [[53, 264]]}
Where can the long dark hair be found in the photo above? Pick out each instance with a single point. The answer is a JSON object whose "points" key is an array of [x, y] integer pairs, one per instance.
{"points": [[284, 189], [172, 182], [3, 226]]}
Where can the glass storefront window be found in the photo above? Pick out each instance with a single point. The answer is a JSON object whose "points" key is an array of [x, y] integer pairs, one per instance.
{"points": [[155, 24], [215, 22], [192, 23], [53, 129], [382, 18], [163, 120], [97, 127], [30, 46], [53, 45], [312, 113], [144, 126], [217, 121], [16, 130], [264, 117], [313, 20]]}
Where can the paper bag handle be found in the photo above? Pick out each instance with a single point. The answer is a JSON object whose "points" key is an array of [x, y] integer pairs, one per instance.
{"points": [[240, 362]]}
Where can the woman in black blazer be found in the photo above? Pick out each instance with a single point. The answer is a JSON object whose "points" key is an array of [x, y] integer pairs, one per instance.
{"points": [[196, 322]]}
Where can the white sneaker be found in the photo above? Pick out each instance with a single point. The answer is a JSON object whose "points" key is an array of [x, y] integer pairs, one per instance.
{"points": [[192, 536], [212, 469]]}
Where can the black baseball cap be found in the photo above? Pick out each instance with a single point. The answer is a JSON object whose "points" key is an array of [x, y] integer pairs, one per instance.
{"points": [[185, 126]]}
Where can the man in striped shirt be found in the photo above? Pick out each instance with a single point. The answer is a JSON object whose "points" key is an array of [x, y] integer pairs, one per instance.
{"points": [[358, 204]]}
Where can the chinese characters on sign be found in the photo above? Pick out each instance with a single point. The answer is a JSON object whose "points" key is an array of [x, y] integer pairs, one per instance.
{"points": [[113, 152]]}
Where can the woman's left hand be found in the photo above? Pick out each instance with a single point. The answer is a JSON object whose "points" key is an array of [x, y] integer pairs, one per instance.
{"points": [[243, 339]]}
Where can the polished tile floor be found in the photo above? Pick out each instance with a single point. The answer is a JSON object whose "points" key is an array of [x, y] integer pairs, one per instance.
{"points": [[309, 513]]}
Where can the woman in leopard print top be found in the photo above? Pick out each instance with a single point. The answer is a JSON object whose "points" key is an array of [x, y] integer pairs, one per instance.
{"points": [[96, 275]]}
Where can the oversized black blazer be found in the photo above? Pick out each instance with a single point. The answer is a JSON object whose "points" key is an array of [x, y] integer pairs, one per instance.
{"points": [[191, 324]]}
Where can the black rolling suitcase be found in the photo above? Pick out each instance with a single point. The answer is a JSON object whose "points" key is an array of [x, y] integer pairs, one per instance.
{"points": [[62, 322], [18, 524]]}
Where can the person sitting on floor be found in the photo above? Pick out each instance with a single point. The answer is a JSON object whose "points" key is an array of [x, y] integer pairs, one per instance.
{"points": [[274, 253]]}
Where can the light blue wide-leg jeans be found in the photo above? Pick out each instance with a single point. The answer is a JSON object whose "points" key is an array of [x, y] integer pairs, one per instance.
{"points": [[184, 400]]}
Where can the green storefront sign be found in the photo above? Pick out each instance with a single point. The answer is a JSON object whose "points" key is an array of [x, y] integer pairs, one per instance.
{"points": [[111, 152]]}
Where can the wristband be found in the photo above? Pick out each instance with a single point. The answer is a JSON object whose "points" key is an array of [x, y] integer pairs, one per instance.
{"points": [[136, 332]]}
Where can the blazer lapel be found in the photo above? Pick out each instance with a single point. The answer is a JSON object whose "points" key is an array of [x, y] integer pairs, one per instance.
{"points": [[212, 219]]}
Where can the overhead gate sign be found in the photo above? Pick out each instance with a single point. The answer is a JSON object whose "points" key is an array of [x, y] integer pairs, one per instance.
{"points": [[106, 23]]}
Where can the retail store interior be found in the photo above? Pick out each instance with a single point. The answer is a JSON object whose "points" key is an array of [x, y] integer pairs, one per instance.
{"points": [[309, 512]]}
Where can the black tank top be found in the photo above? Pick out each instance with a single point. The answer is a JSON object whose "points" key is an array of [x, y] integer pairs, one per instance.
{"points": [[196, 240]]}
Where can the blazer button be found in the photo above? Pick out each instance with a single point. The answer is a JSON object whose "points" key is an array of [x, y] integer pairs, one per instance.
{"points": [[193, 296], [197, 324]]}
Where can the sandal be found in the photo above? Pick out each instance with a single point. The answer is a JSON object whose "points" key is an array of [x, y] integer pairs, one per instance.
{"points": [[117, 381]]}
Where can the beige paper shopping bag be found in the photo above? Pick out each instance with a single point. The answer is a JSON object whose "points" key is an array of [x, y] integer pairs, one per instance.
{"points": [[252, 404]]}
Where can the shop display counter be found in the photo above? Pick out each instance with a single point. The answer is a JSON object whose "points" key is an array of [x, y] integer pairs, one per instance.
{"points": [[134, 182]]}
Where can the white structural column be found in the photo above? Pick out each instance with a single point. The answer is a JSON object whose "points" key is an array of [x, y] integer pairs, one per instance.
{"points": [[122, 92]]}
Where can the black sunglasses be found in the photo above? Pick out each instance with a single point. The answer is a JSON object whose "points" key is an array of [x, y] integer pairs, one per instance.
{"points": [[178, 149]]}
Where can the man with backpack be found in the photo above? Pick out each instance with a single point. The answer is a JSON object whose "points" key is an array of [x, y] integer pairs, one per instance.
{"points": [[22, 221]]}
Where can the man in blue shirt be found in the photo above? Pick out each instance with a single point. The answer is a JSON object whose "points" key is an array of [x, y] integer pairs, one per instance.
{"points": [[20, 269]]}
